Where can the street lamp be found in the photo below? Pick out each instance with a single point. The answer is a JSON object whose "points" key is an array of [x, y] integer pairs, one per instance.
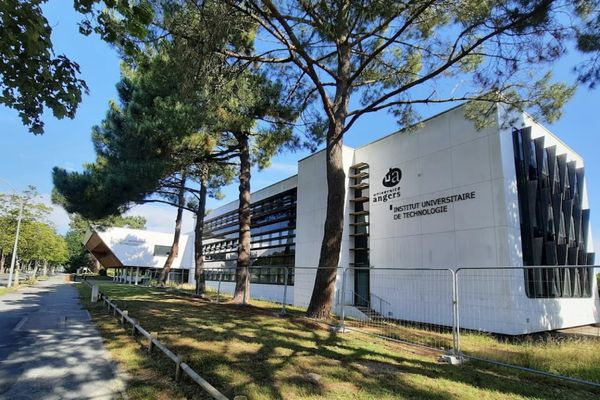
{"points": [[13, 258]]}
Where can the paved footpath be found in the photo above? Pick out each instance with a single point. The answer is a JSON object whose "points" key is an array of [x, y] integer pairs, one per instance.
{"points": [[50, 349]]}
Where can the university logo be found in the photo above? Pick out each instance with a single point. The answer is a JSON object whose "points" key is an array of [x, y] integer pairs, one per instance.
{"points": [[392, 178]]}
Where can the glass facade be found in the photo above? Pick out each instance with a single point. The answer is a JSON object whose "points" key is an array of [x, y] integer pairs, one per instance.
{"points": [[273, 233]]}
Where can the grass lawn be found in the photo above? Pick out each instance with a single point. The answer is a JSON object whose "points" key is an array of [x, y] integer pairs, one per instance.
{"points": [[252, 352], [5, 290]]}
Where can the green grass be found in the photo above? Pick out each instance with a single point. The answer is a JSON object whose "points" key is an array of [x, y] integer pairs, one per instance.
{"points": [[576, 357], [5, 290], [251, 351]]}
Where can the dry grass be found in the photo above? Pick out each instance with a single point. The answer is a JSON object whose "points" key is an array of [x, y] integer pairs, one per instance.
{"points": [[251, 351]]}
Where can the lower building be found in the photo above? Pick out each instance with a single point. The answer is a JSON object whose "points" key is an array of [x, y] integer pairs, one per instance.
{"points": [[138, 255]]}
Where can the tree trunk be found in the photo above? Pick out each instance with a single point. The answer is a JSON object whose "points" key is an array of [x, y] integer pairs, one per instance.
{"points": [[242, 291], [35, 268], [322, 295], [324, 288], [2, 260], [45, 270], [199, 235], [164, 273]]}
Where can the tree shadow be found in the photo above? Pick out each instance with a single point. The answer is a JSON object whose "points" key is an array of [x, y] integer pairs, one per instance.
{"points": [[249, 351]]}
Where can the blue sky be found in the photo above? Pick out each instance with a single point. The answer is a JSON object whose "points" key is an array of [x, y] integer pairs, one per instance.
{"points": [[28, 160]]}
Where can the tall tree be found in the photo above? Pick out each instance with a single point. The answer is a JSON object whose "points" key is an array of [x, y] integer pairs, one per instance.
{"points": [[33, 211], [148, 148], [350, 59], [230, 100]]}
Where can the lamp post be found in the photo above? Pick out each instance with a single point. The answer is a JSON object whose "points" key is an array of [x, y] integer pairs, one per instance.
{"points": [[13, 258]]}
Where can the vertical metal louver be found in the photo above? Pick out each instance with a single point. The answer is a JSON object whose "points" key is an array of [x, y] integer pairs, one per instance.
{"points": [[554, 227]]}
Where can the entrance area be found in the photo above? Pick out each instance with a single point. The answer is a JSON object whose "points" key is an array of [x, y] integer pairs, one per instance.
{"points": [[361, 287]]}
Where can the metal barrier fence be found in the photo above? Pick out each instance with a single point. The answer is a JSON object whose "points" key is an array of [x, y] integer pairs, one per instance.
{"points": [[516, 317], [496, 314], [153, 342]]}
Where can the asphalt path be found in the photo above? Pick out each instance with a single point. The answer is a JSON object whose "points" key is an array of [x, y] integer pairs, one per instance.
{"points": [[50, 349]]}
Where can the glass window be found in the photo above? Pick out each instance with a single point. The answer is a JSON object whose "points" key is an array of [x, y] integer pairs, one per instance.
{"points": [[162, 251]]}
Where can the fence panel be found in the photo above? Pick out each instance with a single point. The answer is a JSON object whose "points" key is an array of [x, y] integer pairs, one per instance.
{"points": [[517, 315], [410, 305]]}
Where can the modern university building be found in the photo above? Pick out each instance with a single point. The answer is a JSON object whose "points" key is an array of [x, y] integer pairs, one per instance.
{"points": [[443, 197]]}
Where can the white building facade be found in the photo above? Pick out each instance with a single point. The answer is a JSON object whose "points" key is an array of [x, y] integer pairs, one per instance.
{"points": [[421, 206], [446, 196]]}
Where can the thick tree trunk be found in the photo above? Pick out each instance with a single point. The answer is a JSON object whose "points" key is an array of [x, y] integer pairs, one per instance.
{"points": [[164, 273], [2, 261], [242, 290], [324, 288], [322, 296], [198, 237], [45, 270]]}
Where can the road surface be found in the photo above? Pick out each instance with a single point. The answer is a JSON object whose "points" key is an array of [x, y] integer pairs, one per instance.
{"points": [[49, 348]]}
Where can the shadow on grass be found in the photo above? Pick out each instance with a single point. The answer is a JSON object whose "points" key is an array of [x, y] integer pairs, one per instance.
{"points": [[250, 351]]}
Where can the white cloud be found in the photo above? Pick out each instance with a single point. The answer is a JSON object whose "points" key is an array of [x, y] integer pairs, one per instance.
{"points": [[58, 216], [161, 217]]}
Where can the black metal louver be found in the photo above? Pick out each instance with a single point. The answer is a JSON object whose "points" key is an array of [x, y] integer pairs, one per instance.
{"points": [[554, 226]]}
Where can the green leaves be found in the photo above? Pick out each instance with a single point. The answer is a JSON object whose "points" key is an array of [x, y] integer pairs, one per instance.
{"points": [[588, 41], [38, 239], [31, 76]]}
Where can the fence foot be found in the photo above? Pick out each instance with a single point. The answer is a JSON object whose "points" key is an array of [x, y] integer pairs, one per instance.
{"points": [[339, 328], [452, 359]]}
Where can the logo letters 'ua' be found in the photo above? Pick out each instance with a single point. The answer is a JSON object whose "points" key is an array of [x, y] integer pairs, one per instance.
{"points": [[392, 178]]}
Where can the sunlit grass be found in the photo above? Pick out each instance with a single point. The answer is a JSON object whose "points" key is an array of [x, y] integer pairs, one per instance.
{"points": [[5, 290], [251, 351]]}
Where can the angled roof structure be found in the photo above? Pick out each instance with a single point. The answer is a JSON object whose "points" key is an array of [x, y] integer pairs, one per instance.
{"points": [[124, 247]]}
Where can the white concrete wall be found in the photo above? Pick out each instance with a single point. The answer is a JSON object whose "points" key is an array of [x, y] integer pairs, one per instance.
{"points": [[448, 156]]}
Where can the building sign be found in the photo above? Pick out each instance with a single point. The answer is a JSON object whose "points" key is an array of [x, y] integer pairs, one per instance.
{"points": [[390, 180], [131, 242], [430, 206]]}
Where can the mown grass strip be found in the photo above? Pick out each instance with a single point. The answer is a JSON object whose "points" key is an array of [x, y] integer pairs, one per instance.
{"points": [[251, 351]]}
